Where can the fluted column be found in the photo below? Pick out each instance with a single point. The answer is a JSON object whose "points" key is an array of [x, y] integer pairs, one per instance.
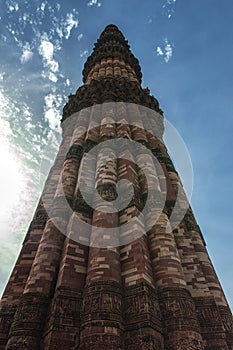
{"points": [[63, 321], [141, 308], [204, 286], [16, 283], [101, 317], [101, 313], [178, 309]]}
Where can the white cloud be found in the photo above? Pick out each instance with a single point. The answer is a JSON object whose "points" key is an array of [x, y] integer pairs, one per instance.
{"points": [[159, 51], [54, 66], [52, 77], [59, 32], [170, 13], [25, 17], [80, 36], [52, 110], [42, 6], [46, 50], [83, 53], [166, 51], [14, 7], [51, 117], [93, 2], [168, 6], [71, 23], [2, 76], [26, 56], [169, 2], [66, 25], [46, 42]]}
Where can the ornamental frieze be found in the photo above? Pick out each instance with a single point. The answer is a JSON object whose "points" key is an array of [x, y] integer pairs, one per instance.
{"points": [[178, 308], [187, 344], [102, 302], [141, 303], [209, 315]]}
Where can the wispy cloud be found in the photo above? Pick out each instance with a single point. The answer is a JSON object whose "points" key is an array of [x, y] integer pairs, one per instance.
{"points": [[70, 23], [26, 124], [42, 6], [27, 54], [46, 50], [94, 2], [65, 26], [13, 6], [80, 36], [170, 2], [159, 51], [168, 6], [166, 51], [47, 40], [83, 53], [52, 110]]}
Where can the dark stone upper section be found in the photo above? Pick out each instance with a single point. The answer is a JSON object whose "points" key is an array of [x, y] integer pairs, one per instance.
{"points": [[109, 90], [112, 43]]}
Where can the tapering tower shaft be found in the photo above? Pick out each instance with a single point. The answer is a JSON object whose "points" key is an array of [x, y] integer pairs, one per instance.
{"points": [[94, 273]]}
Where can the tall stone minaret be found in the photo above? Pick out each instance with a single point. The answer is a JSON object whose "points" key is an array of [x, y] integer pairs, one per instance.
{"points": [[96, 272]]}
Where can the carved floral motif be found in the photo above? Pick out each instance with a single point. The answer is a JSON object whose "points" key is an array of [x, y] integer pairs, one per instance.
{"points": [[188, 344]]}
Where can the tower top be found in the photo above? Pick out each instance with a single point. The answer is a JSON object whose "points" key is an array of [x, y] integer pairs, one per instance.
{"points": [[113, 44], [111, 73], [110, 27]]}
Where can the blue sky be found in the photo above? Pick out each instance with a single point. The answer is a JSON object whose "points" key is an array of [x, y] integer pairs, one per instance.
{"points": [[186, 53]]}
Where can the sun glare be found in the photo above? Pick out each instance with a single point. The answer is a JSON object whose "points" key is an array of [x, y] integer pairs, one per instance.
{"points": [[12, 183]]}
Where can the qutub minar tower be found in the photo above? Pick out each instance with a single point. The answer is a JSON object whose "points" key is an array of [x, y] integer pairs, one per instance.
{"points": [[159, 291]]}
